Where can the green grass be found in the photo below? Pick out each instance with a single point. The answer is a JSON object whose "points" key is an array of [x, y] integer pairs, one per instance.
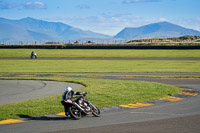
{"points": [[53, 66], [102, 93], [98, 53]]}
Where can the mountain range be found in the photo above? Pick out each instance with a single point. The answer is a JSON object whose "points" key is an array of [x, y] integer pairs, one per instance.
{"points": [[33, 30], [30, 30], [155, 30]]}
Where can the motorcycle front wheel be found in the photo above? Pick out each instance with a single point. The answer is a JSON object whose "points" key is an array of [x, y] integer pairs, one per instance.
{"points": [[95, 111], [74, 112]]}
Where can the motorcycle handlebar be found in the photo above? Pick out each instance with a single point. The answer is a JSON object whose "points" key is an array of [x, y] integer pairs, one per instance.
{"points": [[81, 93], [85, 93]]}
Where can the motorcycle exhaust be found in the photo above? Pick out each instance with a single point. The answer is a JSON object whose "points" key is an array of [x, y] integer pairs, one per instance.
{"points": [[79, 107]]}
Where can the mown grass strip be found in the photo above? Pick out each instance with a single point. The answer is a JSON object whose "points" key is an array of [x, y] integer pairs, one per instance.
{"points": [[99, 53], [97, 75], [56, 66], [103, 93]]}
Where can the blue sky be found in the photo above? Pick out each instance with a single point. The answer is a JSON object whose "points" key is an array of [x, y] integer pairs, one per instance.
{"points": [[105, 16]]}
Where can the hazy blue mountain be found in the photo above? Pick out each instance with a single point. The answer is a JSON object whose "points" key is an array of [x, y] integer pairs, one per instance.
{"points": [[29, 30], [155, 30]]}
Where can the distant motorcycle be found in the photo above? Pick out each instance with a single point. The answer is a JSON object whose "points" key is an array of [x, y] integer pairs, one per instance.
{"points": [[33, 55], [77, 107]]}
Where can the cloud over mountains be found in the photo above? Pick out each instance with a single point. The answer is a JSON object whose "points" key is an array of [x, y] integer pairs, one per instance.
{"points": [[7, 5], [27, 5], [34, 5]]}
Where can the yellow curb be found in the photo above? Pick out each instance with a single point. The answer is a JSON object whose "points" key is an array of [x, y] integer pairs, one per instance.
{"points": [[188, 89], [188, 93], [171, 98], [62, 113], [9, 121], [137, 105]]}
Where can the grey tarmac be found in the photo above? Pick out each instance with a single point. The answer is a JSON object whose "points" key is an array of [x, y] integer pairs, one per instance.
{"points": [[20, 90]]}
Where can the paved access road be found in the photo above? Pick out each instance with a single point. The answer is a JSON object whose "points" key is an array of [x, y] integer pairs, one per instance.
{"points": [[20, 90], [181, 116]]}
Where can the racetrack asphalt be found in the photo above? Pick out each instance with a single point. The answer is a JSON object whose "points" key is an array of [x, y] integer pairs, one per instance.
{"points": [[188, 124]]}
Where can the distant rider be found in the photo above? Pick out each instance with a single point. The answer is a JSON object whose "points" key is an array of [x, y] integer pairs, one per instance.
{"points": [[33, 54]]}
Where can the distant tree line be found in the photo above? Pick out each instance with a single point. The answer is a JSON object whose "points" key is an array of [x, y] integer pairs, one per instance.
{"points": [[101, 46], [188, 39]]}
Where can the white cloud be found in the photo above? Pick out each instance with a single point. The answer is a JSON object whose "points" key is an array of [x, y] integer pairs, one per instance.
{"points": [[163, 19], [5, 5], [139, 1], [34, 5], [28, 5]]}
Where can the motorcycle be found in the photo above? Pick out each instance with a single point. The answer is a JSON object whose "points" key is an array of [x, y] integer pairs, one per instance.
{"points": [[33, 56], [77, 107]]}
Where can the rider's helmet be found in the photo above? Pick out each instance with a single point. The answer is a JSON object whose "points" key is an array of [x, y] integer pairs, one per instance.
{"points": [[68, 89], [66, 93]]}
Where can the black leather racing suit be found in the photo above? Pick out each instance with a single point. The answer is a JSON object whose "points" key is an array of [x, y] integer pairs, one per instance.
{"points": [[69, 95]]}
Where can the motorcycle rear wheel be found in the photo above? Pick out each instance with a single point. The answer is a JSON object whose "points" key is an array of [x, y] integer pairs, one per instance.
{"points": [[74, 112]]}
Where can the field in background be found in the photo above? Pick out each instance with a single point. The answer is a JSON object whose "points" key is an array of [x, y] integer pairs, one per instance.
{"points": [[54, 66], [98, 53]]}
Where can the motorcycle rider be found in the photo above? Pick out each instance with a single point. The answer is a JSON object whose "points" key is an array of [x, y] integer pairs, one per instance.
{"points": [[68, 94], [33, 54]]}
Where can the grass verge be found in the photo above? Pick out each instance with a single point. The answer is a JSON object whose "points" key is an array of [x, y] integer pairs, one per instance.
{"points": [[98, 53], [103, 93], [55, 66]]}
